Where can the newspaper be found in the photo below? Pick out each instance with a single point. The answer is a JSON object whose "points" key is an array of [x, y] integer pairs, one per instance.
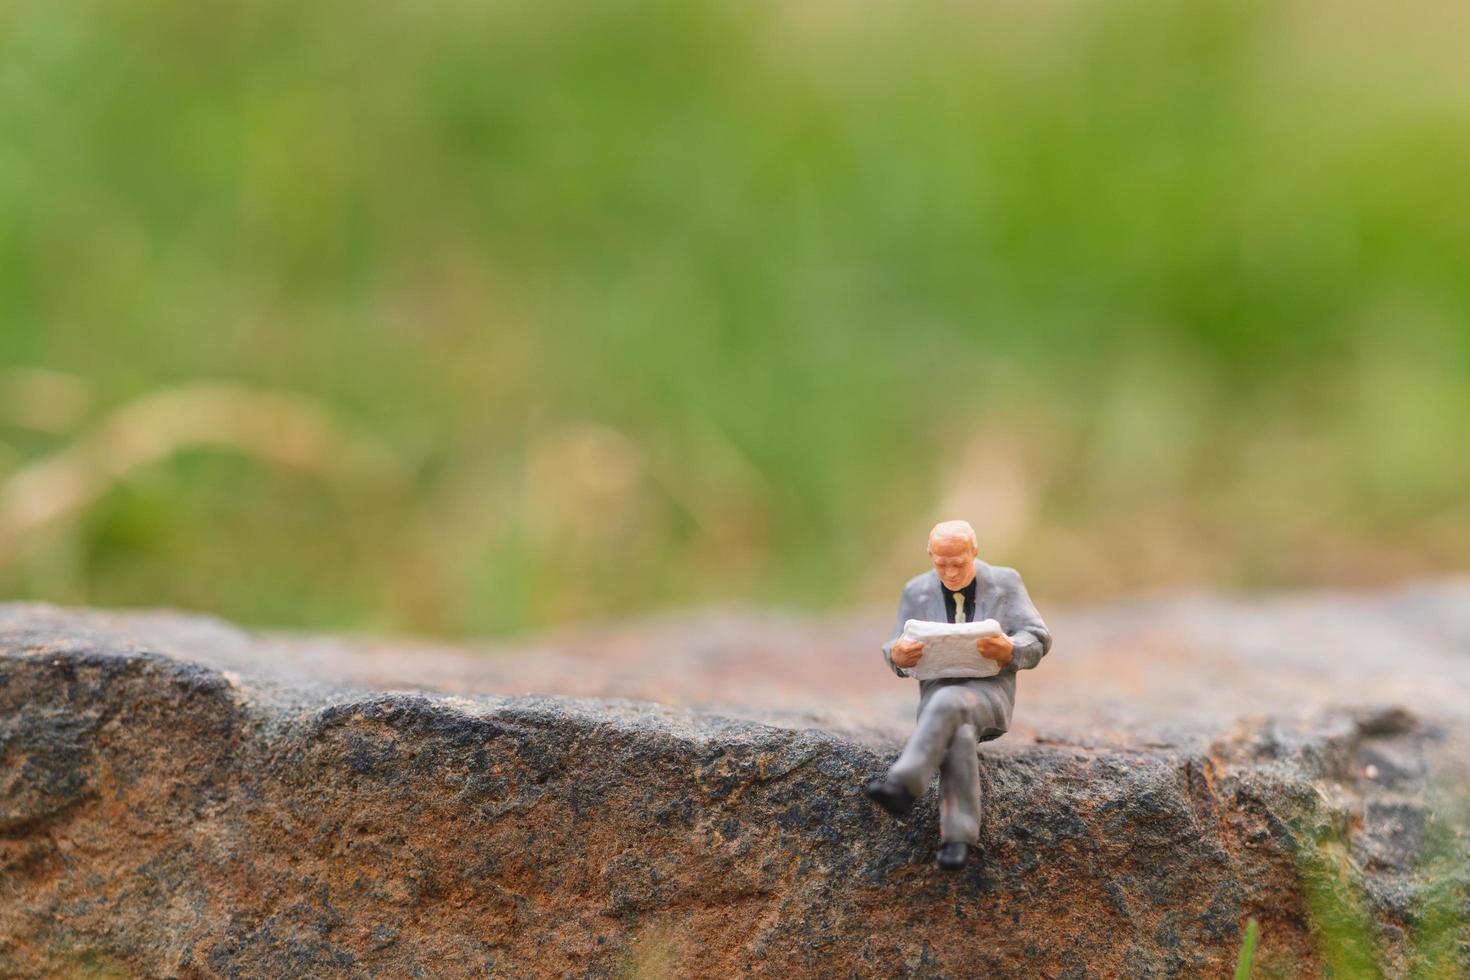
{"points": [[949, 649]]}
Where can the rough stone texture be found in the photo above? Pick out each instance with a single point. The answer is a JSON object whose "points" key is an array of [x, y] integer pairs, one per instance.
{"points": [[179, 798]]}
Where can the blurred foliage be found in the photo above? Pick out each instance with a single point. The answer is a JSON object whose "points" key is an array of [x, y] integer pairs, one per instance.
{"points": [[1247, 958], [655, 302], [1352, 946]]}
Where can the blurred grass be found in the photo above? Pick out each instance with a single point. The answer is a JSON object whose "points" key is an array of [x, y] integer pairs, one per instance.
{"points": [[1247, 958], [1435, 897], [659, 302]]}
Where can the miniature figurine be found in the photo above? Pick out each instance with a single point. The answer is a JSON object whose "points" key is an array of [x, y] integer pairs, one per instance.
{"points": [[958, 706]]}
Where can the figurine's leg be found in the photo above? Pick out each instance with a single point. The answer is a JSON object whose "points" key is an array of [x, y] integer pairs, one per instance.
{"points": [[959, 789], [947, 709]]}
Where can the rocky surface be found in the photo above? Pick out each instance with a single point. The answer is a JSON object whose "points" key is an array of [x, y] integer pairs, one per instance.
{"points": [[180, 798]]}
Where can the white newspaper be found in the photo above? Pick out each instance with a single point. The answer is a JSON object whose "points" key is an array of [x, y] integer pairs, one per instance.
{"points": [[949, 649]]}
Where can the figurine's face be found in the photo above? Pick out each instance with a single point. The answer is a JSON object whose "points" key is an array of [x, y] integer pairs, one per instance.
{"points": [[954, 560]]}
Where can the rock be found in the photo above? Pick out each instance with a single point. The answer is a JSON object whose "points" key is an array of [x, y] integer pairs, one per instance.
{"points": [[179, 798]]}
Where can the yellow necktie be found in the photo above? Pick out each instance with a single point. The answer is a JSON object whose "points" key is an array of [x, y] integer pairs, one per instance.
{"points": [[959, 607]]}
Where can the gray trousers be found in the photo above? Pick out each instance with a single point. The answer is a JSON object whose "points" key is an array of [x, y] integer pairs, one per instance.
{"points": [[946, 739]]}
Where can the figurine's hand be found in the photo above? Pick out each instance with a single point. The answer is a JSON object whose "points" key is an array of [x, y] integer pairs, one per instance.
{"points": [[997, 648], [906, 653]]}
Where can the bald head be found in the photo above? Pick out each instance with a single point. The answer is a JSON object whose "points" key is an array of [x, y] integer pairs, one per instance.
{"points": [[950, 530], [953, 550]]}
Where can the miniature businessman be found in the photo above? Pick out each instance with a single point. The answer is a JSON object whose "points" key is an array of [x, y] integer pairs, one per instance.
{"points": [[956, 713]]}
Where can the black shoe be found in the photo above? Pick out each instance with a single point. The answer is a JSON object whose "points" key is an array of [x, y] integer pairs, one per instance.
{"points": [[953, 856], [890, 796]]}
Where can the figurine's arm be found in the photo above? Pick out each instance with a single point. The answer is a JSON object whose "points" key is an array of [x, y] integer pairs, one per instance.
{"points": [[1017, 615], [888, 647], [907, 610]]}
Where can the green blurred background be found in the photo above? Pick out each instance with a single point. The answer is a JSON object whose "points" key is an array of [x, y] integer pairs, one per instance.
{"points": [[469, 317]]}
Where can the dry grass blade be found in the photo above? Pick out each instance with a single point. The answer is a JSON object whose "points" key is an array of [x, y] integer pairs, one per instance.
{"points": [[277, 429]]}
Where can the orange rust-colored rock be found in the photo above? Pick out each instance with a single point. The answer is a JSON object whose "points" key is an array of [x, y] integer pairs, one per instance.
{"points": [[178, 799]]}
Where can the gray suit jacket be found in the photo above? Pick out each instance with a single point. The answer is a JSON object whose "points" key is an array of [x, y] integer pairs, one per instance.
{"points": [[999, 595]]}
